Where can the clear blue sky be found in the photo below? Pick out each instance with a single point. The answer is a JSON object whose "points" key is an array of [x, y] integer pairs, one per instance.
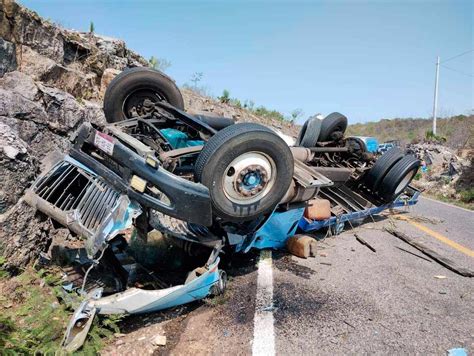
{"points": [[366, 59]]}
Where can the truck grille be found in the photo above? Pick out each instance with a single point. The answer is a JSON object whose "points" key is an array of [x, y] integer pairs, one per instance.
{"points": [[68, 188]]}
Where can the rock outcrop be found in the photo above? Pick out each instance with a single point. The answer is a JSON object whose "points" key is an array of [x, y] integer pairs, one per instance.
{"points": [[51, 81]]}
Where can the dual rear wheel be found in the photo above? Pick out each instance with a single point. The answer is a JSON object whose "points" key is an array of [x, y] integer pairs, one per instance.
{"points": [[391, 174]]}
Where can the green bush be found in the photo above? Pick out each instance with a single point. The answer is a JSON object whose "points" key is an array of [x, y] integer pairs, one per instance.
{"points": [[430, 136], [467, 196], [236, 102], [269, 114], [225, 97]]}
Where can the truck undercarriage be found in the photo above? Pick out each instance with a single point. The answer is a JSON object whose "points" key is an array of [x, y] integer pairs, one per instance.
{"points": [[204, 183]]}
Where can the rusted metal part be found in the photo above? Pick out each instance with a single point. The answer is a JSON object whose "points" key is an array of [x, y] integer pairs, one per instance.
{"points": [[171, 158], [328, 149], [142, 149], [302, 154]]}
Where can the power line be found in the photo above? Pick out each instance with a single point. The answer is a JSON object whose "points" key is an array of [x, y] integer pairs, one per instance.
{"points": [[458, 55], [457, 71]]}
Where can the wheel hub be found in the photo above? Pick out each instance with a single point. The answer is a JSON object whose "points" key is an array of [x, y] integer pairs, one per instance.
{"points": [[140, 102], [251, 180], [249, 177]]}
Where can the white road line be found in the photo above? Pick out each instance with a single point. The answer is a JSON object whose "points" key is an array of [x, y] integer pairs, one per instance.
{"points": [[263, 333], [451, 205]]}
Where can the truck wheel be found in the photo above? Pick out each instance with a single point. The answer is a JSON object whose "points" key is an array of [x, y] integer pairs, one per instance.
{"points": [[398, 178], [381, 167], [247, 168], [309, 133], [332, 124], [127, 92]]}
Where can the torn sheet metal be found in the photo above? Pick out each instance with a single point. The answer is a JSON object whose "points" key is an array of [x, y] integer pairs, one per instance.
{"points": [[137, 301], [116, 222], [274, 233]]}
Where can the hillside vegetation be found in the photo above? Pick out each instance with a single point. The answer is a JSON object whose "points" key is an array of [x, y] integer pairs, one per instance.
{"points": [[457, 130]]}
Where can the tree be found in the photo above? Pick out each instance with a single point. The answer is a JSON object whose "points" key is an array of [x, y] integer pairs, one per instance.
{"points": [[161, 64], [296, 114], [91, 27], [196, 78]]}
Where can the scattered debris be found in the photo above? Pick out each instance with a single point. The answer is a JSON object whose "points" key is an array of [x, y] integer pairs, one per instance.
{"points": [[414, 254], [440, 277], [444, 261], [347, 323], [159, 340], [446, 172], [302, 246], [363, 242]]}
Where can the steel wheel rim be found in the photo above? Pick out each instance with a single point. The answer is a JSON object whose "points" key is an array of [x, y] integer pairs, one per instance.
{"points": [[249, 178], [405, 181]]}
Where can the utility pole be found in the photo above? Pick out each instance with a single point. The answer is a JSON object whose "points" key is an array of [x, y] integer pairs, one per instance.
{"points": [[435, 103]]}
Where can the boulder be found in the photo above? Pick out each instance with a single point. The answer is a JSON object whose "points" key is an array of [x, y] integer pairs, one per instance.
{"points": [[33, 63], [19, 107], [111, 46], [63, 110], [20, 83], [72, 80]]}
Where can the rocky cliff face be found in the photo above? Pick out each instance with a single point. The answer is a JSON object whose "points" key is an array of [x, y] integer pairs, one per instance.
{"points": [[51, 81]]}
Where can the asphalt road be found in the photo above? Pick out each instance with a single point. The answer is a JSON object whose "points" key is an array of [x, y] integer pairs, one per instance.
{"points": [[390, 301], [346, 300]]}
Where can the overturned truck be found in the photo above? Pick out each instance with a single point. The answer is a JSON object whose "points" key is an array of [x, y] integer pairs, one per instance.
{"points": [[205, 183]]}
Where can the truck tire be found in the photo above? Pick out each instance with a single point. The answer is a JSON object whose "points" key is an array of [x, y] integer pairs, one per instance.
{"points": [[398, 178], [216, 122], [381, 167], [309, 133], [334, 122], [247, 168], [128, 90]]}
